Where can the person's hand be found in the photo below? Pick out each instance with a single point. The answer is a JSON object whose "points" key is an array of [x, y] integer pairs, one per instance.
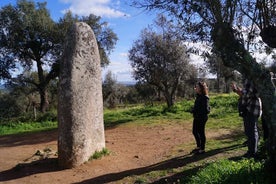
{"points": [[234, 87]]}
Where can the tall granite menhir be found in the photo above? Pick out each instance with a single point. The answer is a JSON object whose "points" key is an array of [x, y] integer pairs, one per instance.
{"points": [[80, 104]]}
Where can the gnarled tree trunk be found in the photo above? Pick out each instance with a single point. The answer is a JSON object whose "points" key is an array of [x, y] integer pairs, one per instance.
{"points": [[234, 55]]}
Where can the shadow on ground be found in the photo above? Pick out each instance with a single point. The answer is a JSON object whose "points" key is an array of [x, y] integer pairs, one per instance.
{"points": [[51, 165], [165, 165], [26, 139], [28, 169]]}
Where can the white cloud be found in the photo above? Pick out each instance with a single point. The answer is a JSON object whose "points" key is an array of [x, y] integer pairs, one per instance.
{"points": [[103, 8]]}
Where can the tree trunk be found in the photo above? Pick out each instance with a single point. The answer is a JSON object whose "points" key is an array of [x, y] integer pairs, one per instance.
{"points": [[227, 84], [169, 98], [42, 86], [234, 55], [218, 81], [44, 103]]}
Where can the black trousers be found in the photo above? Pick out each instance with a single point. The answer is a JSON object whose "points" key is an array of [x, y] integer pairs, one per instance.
{"points": [[199, 131], [251, 131]]}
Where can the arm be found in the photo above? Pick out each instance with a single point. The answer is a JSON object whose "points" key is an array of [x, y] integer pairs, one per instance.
{"points": [[236, 89]]}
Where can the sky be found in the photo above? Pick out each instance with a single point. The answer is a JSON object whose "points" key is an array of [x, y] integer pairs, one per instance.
{"points": [[125, 20]]}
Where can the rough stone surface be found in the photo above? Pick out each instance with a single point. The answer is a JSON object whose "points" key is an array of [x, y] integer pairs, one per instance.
{"points": [[80, 109]]}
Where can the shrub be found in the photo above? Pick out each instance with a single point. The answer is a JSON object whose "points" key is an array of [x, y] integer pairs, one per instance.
{"points": [[47, 116]]}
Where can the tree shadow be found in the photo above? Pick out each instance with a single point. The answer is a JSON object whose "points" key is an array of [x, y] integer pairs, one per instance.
{"points": [[28, 138], [184, 176], [28, 169], [176, 178], [114, 124], [164, 165], [233, 135]]}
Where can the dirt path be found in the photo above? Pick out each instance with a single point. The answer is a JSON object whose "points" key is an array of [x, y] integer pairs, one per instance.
{"points": [[134, 150]]}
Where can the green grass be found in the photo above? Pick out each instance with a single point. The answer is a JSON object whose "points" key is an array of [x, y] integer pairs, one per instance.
{"points": [[100, 154], [146, 114], [16, 128], [228, 171], [223, 115]]}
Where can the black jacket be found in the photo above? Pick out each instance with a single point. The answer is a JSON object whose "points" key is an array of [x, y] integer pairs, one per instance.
{"points": [[201, 107]]}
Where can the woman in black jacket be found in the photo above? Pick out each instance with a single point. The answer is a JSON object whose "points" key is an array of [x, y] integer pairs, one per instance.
{"points": [[200, 112]]}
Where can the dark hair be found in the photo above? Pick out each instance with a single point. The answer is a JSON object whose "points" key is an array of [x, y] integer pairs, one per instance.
{"points": [[203, 88]]}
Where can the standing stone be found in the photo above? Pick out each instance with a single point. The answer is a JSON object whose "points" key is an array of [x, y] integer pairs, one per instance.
{"points": [[80, 104]]}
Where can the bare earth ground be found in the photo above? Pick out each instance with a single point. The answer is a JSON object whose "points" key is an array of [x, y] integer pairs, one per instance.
{"points": [[135, 150]]}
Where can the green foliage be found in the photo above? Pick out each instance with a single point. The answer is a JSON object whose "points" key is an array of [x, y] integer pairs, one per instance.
{"points": [[227, 171], [223, 104], [47, 116], [113, 92], [186, 105], [228, 100], [159, 58], [31, 117], [221, 116], [9, 106], [223, 109], [146, 114]]}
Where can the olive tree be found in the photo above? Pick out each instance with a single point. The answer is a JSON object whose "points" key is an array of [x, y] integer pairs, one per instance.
{"points": [[31, 40], [114, 93], [160, 59]]}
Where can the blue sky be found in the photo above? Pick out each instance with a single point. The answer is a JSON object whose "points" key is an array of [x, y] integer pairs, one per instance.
{"points": [[125, 21]]}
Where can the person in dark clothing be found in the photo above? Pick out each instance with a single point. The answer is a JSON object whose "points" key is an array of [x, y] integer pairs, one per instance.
{"points": [[250, 109], [200, 113]]}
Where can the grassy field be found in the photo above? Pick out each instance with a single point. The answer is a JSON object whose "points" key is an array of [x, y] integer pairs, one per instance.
{"points": [[223, 117]]}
